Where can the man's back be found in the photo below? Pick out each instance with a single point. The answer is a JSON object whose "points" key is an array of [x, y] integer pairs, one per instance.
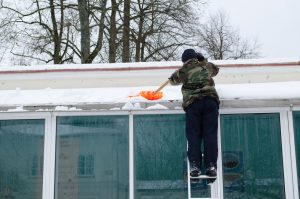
{"points": [[197, 81]]}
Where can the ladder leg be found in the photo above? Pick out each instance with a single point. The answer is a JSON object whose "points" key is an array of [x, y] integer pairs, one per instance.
{"points": [[189, 179]]}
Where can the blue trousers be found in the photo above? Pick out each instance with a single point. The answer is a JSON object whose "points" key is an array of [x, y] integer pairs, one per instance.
{"points": [[202, 126]]}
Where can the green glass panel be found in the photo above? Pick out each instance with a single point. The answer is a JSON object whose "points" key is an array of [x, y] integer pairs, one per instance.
{"points": [[160, 158], [21, 158], [92, 157], [296, 118], [252, 156]]}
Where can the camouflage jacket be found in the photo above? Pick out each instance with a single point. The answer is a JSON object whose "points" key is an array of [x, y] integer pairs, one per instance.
{"points": [[196, 80]]}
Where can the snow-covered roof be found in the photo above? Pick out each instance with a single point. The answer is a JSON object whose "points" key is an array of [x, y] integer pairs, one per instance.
{"points": [[276, 90], [116, 97]]}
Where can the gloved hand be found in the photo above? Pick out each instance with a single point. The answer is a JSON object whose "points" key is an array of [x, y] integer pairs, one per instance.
{"points": [[173, 77]]}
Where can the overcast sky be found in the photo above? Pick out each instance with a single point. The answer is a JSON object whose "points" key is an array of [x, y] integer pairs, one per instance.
{"points": [[275, 23]]}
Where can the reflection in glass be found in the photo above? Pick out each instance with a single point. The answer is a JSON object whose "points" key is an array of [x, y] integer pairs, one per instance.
{"points": [[92, 157], [21, 159], [160, 158], [252, 156]]}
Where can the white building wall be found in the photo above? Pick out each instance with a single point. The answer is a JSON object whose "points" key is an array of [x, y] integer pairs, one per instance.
{"points": [[140, 74]]}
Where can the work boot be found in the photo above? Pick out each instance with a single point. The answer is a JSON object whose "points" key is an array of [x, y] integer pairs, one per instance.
{"points": [[211, 171]]}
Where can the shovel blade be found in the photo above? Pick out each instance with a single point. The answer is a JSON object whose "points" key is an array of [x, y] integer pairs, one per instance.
{"points": [[151, 95]]}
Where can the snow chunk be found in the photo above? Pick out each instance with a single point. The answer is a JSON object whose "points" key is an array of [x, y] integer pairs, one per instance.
{"points": [[17, 109], [115, 109], [157, 106], [178, 107], [41, 109], [61, 108], [75, 109], [128, 106], [137, 106], [65, 108]]}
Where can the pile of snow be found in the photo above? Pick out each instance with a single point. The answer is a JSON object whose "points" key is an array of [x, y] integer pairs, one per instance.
{"points": [[18, 97], [274, 90]]}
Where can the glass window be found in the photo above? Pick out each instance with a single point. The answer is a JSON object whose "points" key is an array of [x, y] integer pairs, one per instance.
{"points": [[252, 156], [92, 157], [296, 117], [21, 158], [160, 158]]}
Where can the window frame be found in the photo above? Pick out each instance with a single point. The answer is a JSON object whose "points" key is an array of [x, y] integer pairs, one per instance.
{"points": [[286, 143], [46, 116]]}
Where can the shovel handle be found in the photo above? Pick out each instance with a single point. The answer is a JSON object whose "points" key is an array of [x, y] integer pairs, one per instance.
{"points": [[162, 86]]}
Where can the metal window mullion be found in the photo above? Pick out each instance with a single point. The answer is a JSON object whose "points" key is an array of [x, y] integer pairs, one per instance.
{"points": [[49, 158], [218, 186], [293, 154], [286, 155], [131, 157], [48, 175]]}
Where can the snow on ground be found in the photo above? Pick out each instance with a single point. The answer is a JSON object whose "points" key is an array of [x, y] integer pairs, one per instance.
{"points": [[18, 97]]}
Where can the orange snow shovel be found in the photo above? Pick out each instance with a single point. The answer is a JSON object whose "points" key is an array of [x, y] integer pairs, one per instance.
{"points": [[153, 95]]}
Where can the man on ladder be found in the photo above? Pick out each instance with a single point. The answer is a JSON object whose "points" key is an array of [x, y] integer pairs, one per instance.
{"points": [[201, 105]]}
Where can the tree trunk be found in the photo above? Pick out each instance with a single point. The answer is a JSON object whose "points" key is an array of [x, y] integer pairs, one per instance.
{"points": [[101, 28], [112, 33], [56, 38], [126, 32], [139, 38], [85, 41]]}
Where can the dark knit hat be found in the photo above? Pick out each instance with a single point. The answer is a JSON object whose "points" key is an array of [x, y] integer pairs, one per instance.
{"points": [[188, 54], [200, 57]]}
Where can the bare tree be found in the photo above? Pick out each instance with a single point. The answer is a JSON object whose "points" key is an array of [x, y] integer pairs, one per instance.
{"points": [[40, 29], [148, 30], [92, 17], [160, 27], [4, 36], [87, 31], [100, 26], [48, 31], [219, 40]]}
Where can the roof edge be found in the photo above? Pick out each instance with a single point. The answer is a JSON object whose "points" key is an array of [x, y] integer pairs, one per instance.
{"points": [[141, 66], [144, 106]]}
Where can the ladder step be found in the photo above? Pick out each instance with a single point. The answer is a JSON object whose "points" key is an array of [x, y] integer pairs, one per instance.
{"points": [[203, 177]]}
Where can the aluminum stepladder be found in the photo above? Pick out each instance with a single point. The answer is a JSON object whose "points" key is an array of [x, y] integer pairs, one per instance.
{"points": [[217, 186]]}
